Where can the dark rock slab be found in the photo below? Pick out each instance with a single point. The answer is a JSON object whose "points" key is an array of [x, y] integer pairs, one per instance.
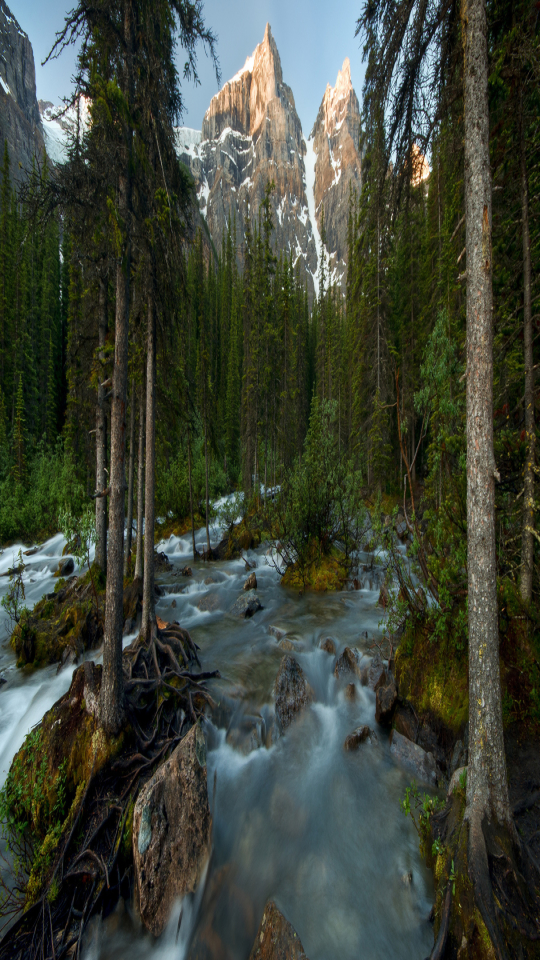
{"points": [[385, 703], [421, 764], [405, 722], [171, 831], [246, 605], [329, 646], [375, 673], [347, 663], [292, 691], [276, 938], [358, 736]]}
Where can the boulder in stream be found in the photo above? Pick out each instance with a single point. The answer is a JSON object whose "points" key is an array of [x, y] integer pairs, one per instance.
{"points": [[329, 646], [385, 703], [209, 603], [358, 736], [276, 938], [411, 756], [246, 605], [277, 632], [65, 567], [347, 663], [292, 690], [251, 582], [171, 831], [376, 672]]}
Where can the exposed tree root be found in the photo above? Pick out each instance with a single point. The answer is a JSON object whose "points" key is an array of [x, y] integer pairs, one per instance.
{"points": [[488, 890], [164, 697]]}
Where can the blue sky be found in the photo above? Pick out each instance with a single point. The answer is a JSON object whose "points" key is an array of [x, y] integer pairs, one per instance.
{"points": [[313, 39]]}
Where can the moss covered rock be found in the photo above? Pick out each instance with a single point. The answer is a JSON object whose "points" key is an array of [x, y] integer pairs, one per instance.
{"points": [[50, 773]]}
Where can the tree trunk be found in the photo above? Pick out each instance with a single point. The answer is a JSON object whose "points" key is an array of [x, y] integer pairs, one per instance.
{"points": [[111, 697], [191, 494], [206, 481], [140, 491], [148, 625], [129, 523], [101, 435], [527, 543], [487, 789]]}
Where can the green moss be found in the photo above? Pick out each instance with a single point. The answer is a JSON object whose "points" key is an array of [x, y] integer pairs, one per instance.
{"points": [[433, 677], [328, 572]]}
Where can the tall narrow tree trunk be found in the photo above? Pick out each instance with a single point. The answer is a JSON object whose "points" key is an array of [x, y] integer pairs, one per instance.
{"points": [[129, 522], [112, 687], [101, 435], [487, 788], [207, 495], [148, 625], [191, 494], [140, 492], [527, 542]]}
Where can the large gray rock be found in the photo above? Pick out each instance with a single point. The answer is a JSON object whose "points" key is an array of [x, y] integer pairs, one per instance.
{"points": [[251, 134], [171, 831], [385, 704], [20, 122], [421, 764], [347, 664], [292, 691], [276, 938], [246, 605]]}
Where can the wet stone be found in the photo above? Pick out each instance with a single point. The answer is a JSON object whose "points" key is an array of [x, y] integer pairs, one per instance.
{"points": [[246, 606], [251, 582], [350, 691], [209, 603], [358, 736], [405, 722], [385, 703], [171, 831], [421, 764], [347, 663], [292, 691], [276, 938], [384, 597], [66, 567], [286, 645], [375, 673], [329, 646], [276, 632]]}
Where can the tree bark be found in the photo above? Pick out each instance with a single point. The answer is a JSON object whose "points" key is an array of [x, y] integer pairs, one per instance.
{"points": [[112, 687], [111, 706], [527, 542], [101, 435], [206, 481], [129, 523], [148, 625], [487, 789], [140, 491], [191, 494]]}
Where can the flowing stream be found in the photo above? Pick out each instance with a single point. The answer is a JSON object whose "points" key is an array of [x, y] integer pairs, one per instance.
{"points": [[297, 819]]}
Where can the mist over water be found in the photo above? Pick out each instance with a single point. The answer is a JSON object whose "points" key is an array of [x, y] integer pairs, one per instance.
{"points": [[297, 818]]}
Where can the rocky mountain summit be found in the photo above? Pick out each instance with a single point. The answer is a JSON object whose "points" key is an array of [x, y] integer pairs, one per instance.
{"points": [[251, 134], [19, 114], [338, 166]]}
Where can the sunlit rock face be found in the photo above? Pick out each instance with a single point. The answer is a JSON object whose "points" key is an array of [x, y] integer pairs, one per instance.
{"points": [[252, 135], [338, 166], [19, 114]]}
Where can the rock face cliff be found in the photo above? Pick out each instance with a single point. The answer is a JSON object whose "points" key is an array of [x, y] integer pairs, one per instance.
{"points": [[19, 113], [334, 141], [251, 134]]}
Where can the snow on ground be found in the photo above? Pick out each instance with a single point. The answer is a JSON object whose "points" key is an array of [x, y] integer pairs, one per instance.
{"points": [[310, 161]]}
